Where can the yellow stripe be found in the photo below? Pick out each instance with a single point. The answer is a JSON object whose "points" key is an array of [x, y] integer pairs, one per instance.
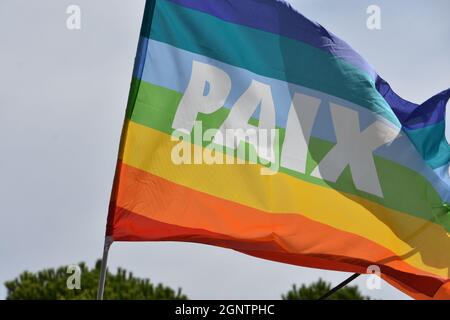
{"points": [[422, 244]]}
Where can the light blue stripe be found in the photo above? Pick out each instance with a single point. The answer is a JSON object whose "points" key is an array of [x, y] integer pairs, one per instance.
{"points": [[170, 67]]}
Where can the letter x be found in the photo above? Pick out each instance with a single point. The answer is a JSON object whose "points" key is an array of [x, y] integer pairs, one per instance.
{"points": [[355, 149]]}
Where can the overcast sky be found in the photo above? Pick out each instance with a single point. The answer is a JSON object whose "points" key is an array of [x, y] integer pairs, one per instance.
{"points": [[62, 102]]}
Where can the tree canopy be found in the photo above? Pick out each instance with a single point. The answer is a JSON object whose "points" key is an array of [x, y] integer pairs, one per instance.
{"points": [[51, 284], [319, 288]]}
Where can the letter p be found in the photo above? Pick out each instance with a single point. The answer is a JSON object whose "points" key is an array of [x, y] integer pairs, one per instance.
{"points": [[206, 92]]}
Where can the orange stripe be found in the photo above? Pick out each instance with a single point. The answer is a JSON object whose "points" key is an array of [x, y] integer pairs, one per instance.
{"points": [[282, 237]]}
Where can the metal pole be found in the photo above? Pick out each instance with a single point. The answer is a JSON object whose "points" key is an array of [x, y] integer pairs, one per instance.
{"points": [[339, 286], [101, 281]]}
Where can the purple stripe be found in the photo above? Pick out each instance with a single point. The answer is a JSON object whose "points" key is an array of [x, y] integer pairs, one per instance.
{"points": [[411, 115], [279, 18], [414, 116]]}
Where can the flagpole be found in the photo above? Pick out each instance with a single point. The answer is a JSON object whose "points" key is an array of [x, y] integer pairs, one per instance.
{"points": [[101, 281], [340, 286]]}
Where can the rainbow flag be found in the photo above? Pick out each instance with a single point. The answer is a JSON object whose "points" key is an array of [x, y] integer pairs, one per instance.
{"points": [[253, 128]]}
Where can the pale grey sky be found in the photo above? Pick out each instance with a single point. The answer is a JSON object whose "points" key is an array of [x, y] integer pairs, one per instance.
{"points": [[62, 102]]}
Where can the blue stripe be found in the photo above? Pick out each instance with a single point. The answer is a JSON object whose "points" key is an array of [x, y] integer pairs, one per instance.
{"points": [[279, 18], [411, 115], [170, 67]]}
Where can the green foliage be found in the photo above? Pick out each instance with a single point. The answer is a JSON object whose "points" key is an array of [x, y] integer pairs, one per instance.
{"points": [[51, 284], [317, 289]]}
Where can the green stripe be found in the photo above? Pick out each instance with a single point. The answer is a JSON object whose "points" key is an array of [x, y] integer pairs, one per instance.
{"points": [[266, 54], [156, 106]]}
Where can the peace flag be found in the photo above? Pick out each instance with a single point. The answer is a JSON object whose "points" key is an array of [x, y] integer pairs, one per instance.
{"points": [[253, 128]]}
